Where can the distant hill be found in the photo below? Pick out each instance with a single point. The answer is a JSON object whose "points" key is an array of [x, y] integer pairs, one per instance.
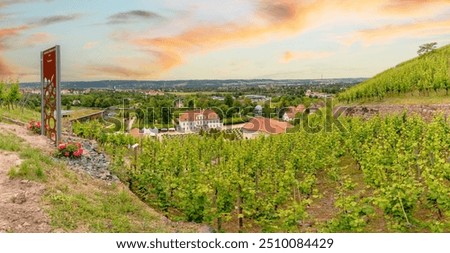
{"points": [[196, 84], [424, 74]]}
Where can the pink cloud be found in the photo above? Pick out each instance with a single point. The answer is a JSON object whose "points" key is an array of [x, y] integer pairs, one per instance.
{"points": [[389, 33], [38, 38], [90, 44], [289, 56]]}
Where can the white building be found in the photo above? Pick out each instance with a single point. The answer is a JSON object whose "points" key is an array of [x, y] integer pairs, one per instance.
{"points": [[291, 111], [199, 119]]}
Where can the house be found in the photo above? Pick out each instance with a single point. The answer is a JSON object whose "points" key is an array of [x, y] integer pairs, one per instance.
{"points": [[135, 133], [198, 119], [313, 94], [150, 131], [316, 106], [179, 103], [289, 114], [257, 98], [264, 126], [76, 102], [218, 98], [65, 113]]}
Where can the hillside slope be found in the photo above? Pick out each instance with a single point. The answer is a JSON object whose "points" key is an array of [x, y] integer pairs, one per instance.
{"points": [[41, 194], [425, 75]]}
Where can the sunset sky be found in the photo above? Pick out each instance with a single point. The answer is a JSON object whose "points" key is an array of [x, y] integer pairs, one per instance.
{"points": [[216, 39]]}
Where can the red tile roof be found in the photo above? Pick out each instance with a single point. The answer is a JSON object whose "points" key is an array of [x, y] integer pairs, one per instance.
{"points": [[208, 114], [292, 111], [135, 133], [266, 125]]}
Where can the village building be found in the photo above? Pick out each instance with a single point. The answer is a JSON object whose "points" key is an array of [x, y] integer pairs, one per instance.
{"points": [[193, 121], [291, 111], [264, 126], [150, 131], [313, 108], [179, 103], [136, 133], [313, 94], [257, 98]]}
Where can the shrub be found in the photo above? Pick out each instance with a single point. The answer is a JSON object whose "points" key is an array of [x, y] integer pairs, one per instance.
{"points": [[70, 150], [35, 126]]}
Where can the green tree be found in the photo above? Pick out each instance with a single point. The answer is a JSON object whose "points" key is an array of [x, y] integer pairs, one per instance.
{"points": [[426, 48], [14, 94], [191, 104], [166, 115], [229, 100], [87, 100]]}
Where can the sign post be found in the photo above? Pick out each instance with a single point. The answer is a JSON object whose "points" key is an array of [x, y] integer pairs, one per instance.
{"points": [[51, 94]]}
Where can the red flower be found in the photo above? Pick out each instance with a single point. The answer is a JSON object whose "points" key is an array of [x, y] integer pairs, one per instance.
{"points": [[34, 126], [69, 149], [78, 153]]}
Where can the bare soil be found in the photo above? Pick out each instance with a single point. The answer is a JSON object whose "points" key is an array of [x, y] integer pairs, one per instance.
{"points": [[20, 201], [21, 209]]}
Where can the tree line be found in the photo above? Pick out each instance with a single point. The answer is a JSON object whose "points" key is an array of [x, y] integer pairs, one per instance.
{"points": [[10, 94]]}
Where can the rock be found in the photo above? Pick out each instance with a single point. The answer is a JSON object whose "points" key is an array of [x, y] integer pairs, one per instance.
{"points": [[206, 229], [19, 198], [93, 162]]}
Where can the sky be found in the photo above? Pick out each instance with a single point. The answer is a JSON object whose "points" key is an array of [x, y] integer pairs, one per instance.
{"points": [[216, 39]]}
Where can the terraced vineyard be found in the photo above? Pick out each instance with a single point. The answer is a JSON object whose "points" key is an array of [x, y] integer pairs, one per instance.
{"points": [[425, 75], [385, 174]]}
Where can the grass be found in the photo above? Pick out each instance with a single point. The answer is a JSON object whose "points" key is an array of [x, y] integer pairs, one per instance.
{"points": [[34, 163], [21, 114], [80, 112], [26, 114], [10, 142], [79, 203], [110, 211]]}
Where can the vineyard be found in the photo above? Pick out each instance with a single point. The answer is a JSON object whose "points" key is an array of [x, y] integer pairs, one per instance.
{"points": [[424, 75], [381, 175]]}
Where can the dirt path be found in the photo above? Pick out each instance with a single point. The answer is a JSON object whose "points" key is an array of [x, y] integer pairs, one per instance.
{"points": [[20, 201]]}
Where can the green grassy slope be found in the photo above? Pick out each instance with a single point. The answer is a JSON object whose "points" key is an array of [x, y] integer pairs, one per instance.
{"points": [[426, 75]]}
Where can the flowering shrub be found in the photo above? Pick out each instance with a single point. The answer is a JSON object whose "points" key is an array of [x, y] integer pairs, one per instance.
{"points": [[35, 126], [71, 150]]}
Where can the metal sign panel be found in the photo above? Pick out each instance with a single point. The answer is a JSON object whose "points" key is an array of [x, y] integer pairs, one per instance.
{"points": [[51, 94]]}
